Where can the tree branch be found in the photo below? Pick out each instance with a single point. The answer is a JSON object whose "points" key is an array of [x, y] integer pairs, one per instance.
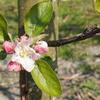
{"points": [[87, 33]]}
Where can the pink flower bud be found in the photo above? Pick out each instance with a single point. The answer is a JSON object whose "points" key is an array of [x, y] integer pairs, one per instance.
{"points": [[13, 66], [9, 47], [41, 47]]}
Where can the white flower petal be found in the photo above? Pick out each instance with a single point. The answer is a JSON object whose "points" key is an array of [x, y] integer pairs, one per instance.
{"points": [[42, 44], [26, 42], [15, 57], [18, 49], [27, 63]]}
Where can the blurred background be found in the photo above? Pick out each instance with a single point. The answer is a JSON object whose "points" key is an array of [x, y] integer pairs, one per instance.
{"points": [[78, 63]]}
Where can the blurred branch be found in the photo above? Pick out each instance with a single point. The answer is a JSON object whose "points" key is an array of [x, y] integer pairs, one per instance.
{"points": [[87, 33], [56, 26], [75, 76]]}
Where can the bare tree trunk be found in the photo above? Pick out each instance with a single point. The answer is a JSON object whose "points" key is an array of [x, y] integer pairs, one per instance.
{"points": [[23, 84]]}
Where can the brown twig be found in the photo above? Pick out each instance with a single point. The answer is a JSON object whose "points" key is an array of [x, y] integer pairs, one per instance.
{"points": [[87, 33]]}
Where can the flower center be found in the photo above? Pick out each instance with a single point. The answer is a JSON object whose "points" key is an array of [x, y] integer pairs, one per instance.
{"points": [[23, 53]]}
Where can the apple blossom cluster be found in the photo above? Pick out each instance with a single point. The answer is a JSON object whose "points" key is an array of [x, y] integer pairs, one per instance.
{"points": [[23, 53]]}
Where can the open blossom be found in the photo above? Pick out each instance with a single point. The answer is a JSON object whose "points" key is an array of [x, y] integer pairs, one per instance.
{"points": [[41, 47], [13, 66], [25, 55], [9, 47]]}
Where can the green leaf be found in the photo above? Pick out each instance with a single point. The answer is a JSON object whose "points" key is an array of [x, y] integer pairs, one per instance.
{"points": [[49, 60], [46, 79], [38, 18], [3, 29], [3, 55], [97, 5]]}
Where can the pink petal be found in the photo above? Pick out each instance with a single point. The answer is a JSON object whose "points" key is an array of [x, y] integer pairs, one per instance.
{"points": [[13, 66], [35, 56], [24, 38], [9, 47], [41, 47]]}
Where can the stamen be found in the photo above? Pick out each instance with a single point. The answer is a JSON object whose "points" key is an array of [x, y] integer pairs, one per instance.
{"points": [[23, 53]]}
